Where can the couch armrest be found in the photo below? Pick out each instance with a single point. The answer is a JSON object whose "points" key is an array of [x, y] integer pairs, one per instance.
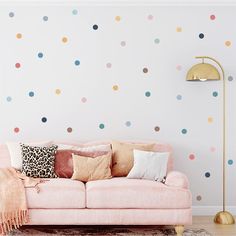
{"points": [[177, 179]]}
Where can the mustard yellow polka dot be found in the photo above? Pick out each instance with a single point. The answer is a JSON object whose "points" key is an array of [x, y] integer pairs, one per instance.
{"points": [[178, 29], [64, 39], [19, 36], [227, 43], [210, 119], [115, 87], [58, 91], [117, 18]]}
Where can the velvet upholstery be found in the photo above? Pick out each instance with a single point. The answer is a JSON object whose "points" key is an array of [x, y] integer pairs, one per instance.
{"points": [[121, 192]]}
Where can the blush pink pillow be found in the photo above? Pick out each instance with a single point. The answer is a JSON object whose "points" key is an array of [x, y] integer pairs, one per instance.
{"points": [[64, 161]]}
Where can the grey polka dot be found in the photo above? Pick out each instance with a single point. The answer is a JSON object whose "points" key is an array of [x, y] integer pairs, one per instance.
{"points": [[230, 78], [11, 14], [45, 18], [199, 198]]}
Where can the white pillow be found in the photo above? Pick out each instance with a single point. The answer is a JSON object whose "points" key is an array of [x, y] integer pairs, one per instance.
{"points": [[149, 165], [16, 152]]}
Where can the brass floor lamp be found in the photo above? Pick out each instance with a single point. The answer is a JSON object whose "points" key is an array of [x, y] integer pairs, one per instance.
{"points": [[203, 72]]}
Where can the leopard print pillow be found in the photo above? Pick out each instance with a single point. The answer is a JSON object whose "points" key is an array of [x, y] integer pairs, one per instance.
{"points": [[38, 162]]}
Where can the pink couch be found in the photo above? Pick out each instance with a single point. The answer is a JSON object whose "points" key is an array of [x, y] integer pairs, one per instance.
{"points": [[117, 201]]}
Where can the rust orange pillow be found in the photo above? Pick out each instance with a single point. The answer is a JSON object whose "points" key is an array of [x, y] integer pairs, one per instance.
{"points": [[122, 156], [87, 168], [64, 163]]}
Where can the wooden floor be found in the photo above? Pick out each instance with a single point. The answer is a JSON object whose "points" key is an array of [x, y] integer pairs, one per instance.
{"points": [[206, 222]]}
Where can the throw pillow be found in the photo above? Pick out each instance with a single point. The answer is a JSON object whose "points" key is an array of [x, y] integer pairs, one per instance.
{"points": [[149, 165], [15, 152], [122, 157], [64, 162], [87, 168], [38, 162]]}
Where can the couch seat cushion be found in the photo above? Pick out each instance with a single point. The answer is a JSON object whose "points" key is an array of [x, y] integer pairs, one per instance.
{"points": [[135, 193], [57, 193]]}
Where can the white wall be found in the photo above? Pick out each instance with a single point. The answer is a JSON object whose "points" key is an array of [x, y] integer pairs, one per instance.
{"points": [[167, 62]]}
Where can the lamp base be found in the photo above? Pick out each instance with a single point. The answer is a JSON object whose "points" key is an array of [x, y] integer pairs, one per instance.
{"points": [[224, 218]]}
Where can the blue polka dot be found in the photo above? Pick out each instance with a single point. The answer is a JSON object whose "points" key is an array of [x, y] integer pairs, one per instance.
{"points": [[128, 123], [11, 14], [31, 94], [9, 99], [207, 174], [95, 27], [147, 94], [45, 18], [179, 97], [230, 162], [44, 119], [184, 131], [101, 126], [75, 12], [77, 62], [40, 55], [215, 94]]}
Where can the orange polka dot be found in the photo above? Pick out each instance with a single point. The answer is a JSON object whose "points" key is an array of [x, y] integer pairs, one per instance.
{"points": [[178, 29], [64, 39], [210, 119], [227, 43], [117, 18], [19, 36], [58, 91], [115, 87]]}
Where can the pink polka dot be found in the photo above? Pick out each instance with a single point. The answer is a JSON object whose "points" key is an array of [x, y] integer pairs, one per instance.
{"points": [[213, 149], [212, 17], [191, 157], [123, 43], [83, 100], [179, 67], [17, 65], [150, 17], [109, 65], [16, 130]]}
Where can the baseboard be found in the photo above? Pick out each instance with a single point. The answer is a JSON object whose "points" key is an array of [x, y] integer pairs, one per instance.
{"points": [[211, 210]]}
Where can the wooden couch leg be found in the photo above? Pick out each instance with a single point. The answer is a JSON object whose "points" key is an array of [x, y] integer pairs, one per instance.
{"points": [[179, 229]]}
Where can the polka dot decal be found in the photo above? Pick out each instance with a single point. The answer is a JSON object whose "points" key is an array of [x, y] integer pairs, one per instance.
{"points": [[128, 123], [45, 18], [201, 35], [179, 97], [77, 62], [212, 17], [207, 174], [191, 157], [40, 55], [156, 40], [117, 18], [58, 91], [157, 128], [19, 36], [227, 43], [147, 94], [123, 43], [150, 17], [16, 130], [75, 12], [230, 162], [17, 65], [184, 131], [44, 119], [230, 78], [69, 130], [64, 39], [210, 119], [199, 198], [11, 14], [95, 27], [145, 70], [83, 99], [108, 65], [115, 87], [101, 126], [31, 94], [179, 29], [215, 94], [9, 99]]}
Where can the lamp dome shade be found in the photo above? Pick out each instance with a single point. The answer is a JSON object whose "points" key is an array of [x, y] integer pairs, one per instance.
{"points": [[203, 72]]}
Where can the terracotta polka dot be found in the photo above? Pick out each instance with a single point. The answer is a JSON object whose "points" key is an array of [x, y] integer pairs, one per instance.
{"points": [[69, 129], [199, 198], [64, 39], [210, 119], [157, 128], [178, 29], [16, 130], [145, 70], [191, 157], [178, 67], [117, 18], [17, 65], [83, 100], [19, 36], [115, 87], [58, 91], [150, 17], [109, 65], [227, 43], [212, 149], [212, 17]]}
